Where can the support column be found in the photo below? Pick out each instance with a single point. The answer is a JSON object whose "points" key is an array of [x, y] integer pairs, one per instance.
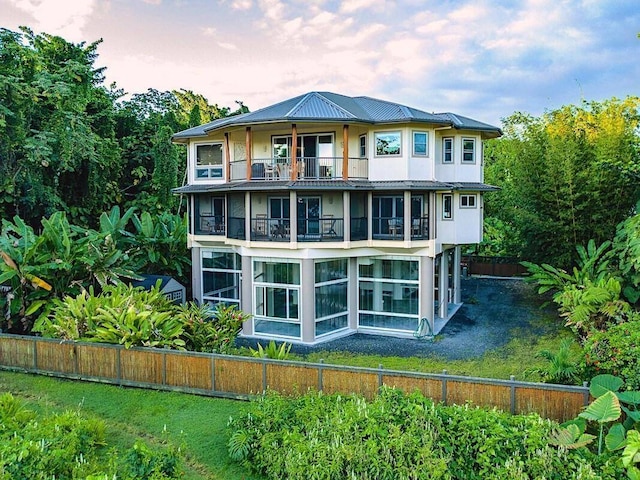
{"points": [[369, 216], [353, 293], [293, 216], [308, 300], [457, 290], [294, 152], [345, 152], [443, 288], [227, 157], [196, 274], [247, 148], [247, 215], [427, 290], [246, 294], [406, 222], [346, 213]]}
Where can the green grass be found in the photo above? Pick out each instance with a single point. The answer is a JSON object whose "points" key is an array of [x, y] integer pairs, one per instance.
{"points": [[198, 423]]}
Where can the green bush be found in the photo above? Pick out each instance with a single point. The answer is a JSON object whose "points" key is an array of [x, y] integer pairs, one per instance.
{"points": [[396, 436], [616, 351], [207, 330]]}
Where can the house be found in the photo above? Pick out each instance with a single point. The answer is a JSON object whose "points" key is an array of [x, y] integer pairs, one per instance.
{"points": [[172, 289], [324, 215]]}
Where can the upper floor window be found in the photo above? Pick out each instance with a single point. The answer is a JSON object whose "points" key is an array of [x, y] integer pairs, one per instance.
{"points": [[388, 143], [447, 206], [420, 144], [468, 201], [447, 150], [209, 161], [363, 146], [468, 150]]}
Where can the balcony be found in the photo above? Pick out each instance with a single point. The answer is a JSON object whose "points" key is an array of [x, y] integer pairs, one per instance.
{"points": [[392, 228], [324, 229], [309, 168]]}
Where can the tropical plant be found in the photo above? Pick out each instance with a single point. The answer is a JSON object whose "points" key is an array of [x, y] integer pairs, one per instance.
{"points": [[562, 366], [272, 351]]}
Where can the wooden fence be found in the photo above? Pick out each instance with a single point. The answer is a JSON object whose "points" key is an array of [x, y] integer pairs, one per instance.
{"points": [[494, 266], [243, 377]]}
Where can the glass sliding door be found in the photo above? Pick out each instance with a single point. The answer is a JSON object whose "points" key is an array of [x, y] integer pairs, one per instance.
{"points": [[388, 215], [309, 217]]}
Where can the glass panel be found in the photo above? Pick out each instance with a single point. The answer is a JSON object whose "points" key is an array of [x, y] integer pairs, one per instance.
{"points": [[331, 299], [221, 285], [420, 143], [282, 329], [331, 270], [209, 154], [388, 143], [331, 325], [378, 268], [388, 322], [222, 260]]}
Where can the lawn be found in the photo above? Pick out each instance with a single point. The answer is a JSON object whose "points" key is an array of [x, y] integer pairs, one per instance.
{"points": [[199, 423]]}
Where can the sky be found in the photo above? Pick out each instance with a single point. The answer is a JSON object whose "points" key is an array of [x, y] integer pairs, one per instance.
{"points": [[484, 59]]}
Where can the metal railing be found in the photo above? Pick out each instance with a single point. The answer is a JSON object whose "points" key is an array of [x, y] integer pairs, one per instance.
{"points": [[308, 168]]}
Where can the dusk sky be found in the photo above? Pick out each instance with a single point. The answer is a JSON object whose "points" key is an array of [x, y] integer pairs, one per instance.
{"points": [[485, 59]]}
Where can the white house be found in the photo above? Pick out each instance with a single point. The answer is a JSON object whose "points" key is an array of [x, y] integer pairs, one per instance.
{"points": [[324, 214]]}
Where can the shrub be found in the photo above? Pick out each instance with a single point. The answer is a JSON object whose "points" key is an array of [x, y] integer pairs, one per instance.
{"points": [[395, 436], [272, 351], [616, 351], [207, 330]]}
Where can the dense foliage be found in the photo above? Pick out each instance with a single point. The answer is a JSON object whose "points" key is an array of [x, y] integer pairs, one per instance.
{"points": [[566, 177], [69, 445], [398, 436], [134, 317], [68, 143], [63, 259]]}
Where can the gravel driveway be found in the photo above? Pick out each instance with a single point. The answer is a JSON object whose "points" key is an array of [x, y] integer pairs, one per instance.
{"points": [[494, 310]]}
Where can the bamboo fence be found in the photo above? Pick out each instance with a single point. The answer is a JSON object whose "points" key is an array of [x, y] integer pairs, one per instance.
{"points": [[245, 377]]}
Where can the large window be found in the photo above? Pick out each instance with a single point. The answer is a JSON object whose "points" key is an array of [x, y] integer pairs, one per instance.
{"points": [[388, 293], [420, 144], [277, 298], [388, 144], [447, 150], [332, 307], [468, 150], [221, 272], [209, 161]]}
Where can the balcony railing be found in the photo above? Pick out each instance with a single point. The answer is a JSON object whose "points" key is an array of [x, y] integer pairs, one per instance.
{"points": [[309, 168], [325, 229]]}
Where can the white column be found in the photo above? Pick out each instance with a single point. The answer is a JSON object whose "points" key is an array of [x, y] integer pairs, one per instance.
{"points": [[427, 290], [444, 284], [246, 294], [247, 216], [353, 293], [406, 222], [307, 307], [346, 213], [457, 293]]}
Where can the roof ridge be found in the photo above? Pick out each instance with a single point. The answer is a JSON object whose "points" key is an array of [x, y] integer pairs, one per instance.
{"points": [[320, 96]]}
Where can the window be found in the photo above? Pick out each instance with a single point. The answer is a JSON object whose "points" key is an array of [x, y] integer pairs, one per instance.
{"points": [[388, 144], [221, 271], [447, 206], [332, 306], [447, 150], [388, 293], [277, 298], [467, 201], [209, 161], [363, 146], [468, 150], [421, 144]]}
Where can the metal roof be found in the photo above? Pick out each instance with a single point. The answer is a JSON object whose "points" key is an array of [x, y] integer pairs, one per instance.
{"points": [[389, 185], [328, 107]]}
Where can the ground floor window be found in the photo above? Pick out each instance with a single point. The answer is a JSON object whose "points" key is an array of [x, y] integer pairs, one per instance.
{"points": [[389, 293], [331, 295], [221, 273], [276, 298]]}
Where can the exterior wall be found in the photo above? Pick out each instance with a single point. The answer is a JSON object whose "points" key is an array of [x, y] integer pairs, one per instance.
{"points": [[457, 171], [465, 226]]}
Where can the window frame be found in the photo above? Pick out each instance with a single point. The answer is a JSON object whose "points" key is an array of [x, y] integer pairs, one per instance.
{"points": [[397, 134], [464, 199], [446, 150], [426, 143], [235, 270], [209, 168], [363, 145], [466, 151], [447, 201]]}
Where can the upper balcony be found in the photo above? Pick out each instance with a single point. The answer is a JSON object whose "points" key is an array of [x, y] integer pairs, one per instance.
{"points": [[304, 168]]}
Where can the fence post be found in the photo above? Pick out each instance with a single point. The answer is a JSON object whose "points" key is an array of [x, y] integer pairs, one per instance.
{"points": [[587, 394], [380, 369], [513, 394], [75, 359], [164, 368], [264, 374], [119, 366], [320, 370], [35, 355], [213, 373], [444, 387]]}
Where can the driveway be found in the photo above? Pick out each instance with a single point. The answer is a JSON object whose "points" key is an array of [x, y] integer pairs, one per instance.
{"points": [[494, 310]]}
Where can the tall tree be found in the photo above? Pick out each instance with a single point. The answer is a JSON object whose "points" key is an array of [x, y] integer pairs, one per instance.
{"points": [[567, 177]]}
